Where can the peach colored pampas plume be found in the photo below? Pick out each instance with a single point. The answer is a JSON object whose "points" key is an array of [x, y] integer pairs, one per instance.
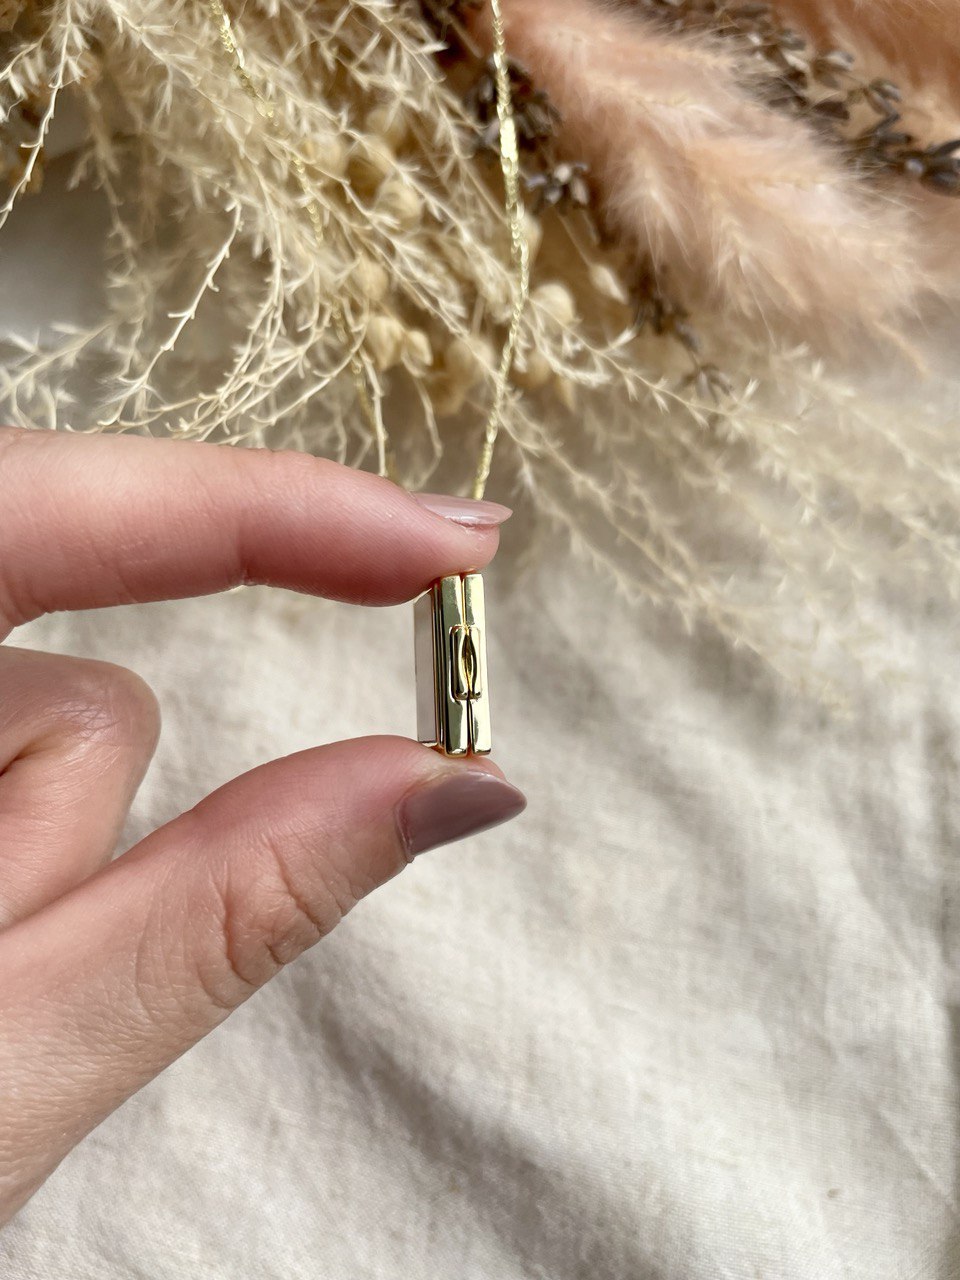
{"points": [[741, 204]]}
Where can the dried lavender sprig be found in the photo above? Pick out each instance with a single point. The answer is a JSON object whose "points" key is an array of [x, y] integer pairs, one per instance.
{"points": [[798, 74]]}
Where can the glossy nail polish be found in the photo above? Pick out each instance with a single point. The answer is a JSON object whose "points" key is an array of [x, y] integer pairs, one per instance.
{"points": [[464, 511], [460, 804]]}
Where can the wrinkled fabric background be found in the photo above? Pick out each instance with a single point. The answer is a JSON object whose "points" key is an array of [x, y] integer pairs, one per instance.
{"points": [[694, 1015]]}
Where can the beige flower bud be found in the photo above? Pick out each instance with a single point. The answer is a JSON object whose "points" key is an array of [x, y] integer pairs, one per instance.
{"points": [[398, 198], [566, 393], [446, 396], [532, 232], [371, 279], [607, 283], [500, 290], [536, 372], [388, 123], [326, 153], [557, 300], [370, 162], [384, 340], [466, 360], [417, 351]]}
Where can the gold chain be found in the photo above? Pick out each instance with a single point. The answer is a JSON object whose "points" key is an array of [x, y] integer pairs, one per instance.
{"points": [[520, 257], [519, 249]]}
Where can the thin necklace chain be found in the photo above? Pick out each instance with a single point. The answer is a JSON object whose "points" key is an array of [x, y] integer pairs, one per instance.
{"points": [[519, 250]]}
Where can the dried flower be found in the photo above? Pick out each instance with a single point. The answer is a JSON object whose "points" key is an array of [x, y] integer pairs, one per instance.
{"points": [[556, 301], [796, 74], [229, 330], [564, 184], [535, 117]]}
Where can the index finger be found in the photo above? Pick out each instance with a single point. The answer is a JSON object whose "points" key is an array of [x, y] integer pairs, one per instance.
{"points": [[87, 521]]}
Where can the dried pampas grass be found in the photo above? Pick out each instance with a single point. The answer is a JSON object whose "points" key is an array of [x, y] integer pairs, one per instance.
{"points": [[747, 209], [254, 257]]}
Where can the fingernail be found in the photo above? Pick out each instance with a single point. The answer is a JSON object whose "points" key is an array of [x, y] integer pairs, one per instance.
{"points": [[460, 805], [466, 511]]}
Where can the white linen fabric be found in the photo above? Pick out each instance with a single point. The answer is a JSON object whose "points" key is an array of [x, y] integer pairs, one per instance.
{"points": [[694, 1015]]}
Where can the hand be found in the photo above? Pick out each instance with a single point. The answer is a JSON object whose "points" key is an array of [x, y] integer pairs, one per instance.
{"points": [[107, 974]]}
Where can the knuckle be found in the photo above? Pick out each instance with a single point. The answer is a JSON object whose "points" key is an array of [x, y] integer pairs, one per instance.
{"points": [[16, 446], [273, 899]]}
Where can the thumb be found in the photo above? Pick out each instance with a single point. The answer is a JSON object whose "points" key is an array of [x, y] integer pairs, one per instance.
{"points": [[109, 984]]}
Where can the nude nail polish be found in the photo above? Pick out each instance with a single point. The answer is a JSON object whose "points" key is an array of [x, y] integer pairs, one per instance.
{"points": [[464, 511], [461, 804]]}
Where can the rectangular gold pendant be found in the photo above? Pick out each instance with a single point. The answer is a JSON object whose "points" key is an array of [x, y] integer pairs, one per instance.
{"points": [[453, 708]]}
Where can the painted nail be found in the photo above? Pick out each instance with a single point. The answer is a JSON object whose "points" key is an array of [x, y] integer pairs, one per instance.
{"points": [[466, 511], [459, 805]]}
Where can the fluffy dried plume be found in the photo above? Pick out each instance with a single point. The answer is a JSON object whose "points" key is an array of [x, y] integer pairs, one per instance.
{"points": [[746, 209], [769, 516]]}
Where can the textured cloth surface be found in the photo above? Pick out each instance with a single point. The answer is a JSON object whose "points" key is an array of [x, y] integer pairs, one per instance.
{"points": [[692, 1016]]}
